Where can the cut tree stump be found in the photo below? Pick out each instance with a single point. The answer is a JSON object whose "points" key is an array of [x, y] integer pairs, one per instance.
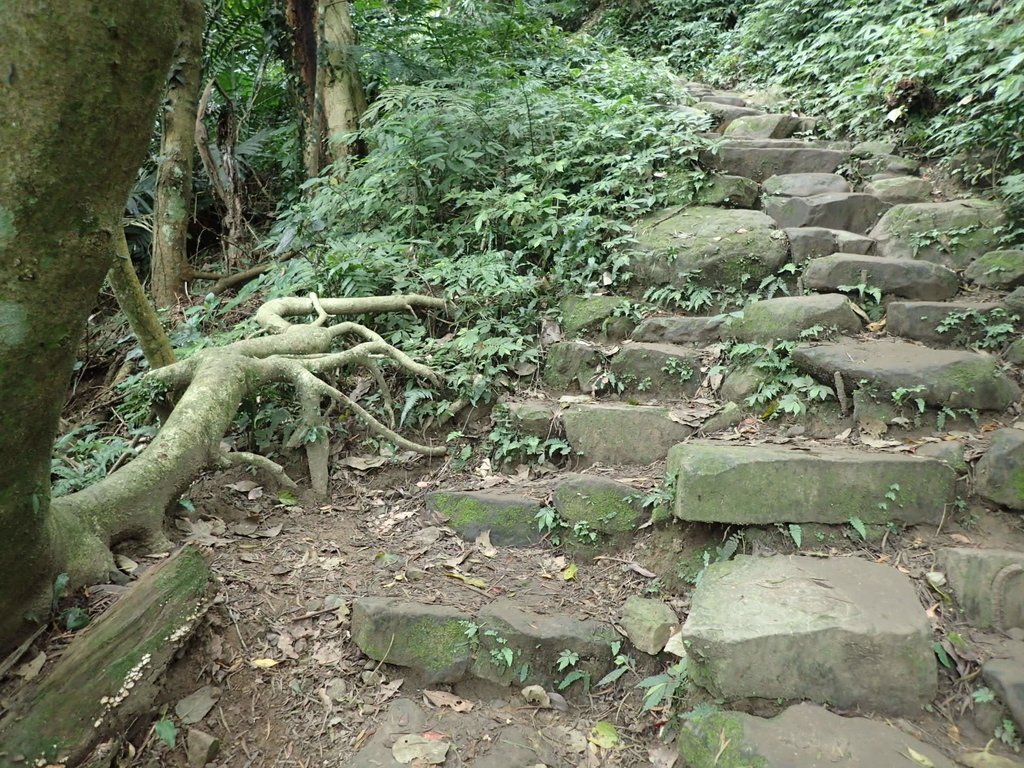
{"points": [[111, 671]]}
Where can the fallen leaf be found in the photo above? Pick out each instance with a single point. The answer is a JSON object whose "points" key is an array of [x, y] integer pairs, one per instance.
{"points": [[271, 532], [662, 756], [255, 493], [197, 705], [243, 486], [281, 570], [414, 746], [570, 572], [603, 735], [918, 758], [987, 760], [245, 527], [125, 564], [471, 580], [483, 544], [960, 538], [30, 669], [641, 571], [558, 701], [390, 690], [362, 463], [264, 663], [536, 696], [446, 699]]}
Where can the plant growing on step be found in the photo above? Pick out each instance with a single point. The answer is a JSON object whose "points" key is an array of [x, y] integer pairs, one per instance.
{"points": [[946, 240], [722, 553], [946, 413], [902, 395], [869, 297], [660, 690], [773, 285], [684, 293], [567, 660], [890, 497], [584, 533], [858, 525], [991, 329], [658, 501], [784, 390], [550, 524], [796, 533], [507, 444], [1006, 732], [678, 369], [623, 664]]}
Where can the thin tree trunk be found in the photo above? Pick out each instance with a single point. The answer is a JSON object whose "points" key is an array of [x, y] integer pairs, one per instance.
{"points": [[74, 130], [340, 87], [140, 313], [301, 18], [173, 197]]}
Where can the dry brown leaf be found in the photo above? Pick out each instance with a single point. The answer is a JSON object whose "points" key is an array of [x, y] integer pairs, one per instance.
{"points": [[446, 699], [483, 544]]}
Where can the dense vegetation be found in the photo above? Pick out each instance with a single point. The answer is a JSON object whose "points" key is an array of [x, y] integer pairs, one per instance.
{"points": [[944, 76]]}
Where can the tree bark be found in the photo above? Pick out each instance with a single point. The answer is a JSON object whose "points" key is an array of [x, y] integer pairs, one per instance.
{"points": [[131, 297], [74, 129], [85, 699], [173, 198], [339, 85], [301, 17]]}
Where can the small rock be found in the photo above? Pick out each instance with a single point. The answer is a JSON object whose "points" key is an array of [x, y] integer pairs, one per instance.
{"points": [[900, 189], [618, 433], [510, 518], [988, 584], [201, 748], [999, 476], [605, 508], [648, 624], [1005, 676], [730, 415], [571, 365]]}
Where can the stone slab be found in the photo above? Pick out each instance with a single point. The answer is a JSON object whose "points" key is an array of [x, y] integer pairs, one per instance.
{"points": [[760, 162], [678, 329], [952, 233], [804, 736], [988, 584], [924, 320], [657, 370], [804, 184], [618, 433], [849, 211], [510, 518], [896, 277], [788, 316], [999, 476], [842, 631], [954, 378], [764, 484]]}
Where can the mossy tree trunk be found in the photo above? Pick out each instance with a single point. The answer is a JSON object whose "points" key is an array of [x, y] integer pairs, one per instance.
{"points": [[74, 128], [132, 299], [169, 267]]}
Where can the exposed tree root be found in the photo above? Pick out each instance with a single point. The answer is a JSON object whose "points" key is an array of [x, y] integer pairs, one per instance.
{"points": [[208, 389]]}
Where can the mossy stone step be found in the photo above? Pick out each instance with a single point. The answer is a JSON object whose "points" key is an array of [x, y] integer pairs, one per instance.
{"points": [[762, 159], [511, 518], [923, 321], [619, 433], [849, 211], [895, 277], [952, 233], [763, 484], [942, 377], [788, 317], [653, 370]]}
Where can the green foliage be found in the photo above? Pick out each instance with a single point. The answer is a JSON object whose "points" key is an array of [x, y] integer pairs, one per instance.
{"points": [[83, 456], [784, 390], [858, 525], [166, 731], [987, 330], [946, 76], [505, 158], [508, 445], [659, 690]]}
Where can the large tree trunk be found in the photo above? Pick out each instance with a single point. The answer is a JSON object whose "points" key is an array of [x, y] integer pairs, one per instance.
{"points": [[340, 87], [74, 128], [173, 199]]}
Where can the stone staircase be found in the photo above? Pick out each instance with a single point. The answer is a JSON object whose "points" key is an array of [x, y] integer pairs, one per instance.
{"points": [[836, 225]]}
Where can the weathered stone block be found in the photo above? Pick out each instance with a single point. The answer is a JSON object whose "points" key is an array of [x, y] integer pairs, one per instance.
{"points": [[849, 211], [763, 484], [988, 583], [677, 329], [897, 277], [511, 519], [803, 184], [571, 365], [788, 316], [428, 638], [657, 370], [952, 233], [618, 433], [999, 475], [648, 623], [842, 631], [997, 269]]}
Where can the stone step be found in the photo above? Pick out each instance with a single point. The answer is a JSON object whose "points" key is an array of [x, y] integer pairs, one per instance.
{"points": [[759, 160], [770, 126], [924, 320], [679, 329], [842, 631], [799, 738], [726, 191], [999, 475], [942, 377], [653, 370], [988, 584], [622, 434], [724, 114], [905, 278], [595, 315], [803, 184], [997, 269], [729, 99], [789, 316], [763, 484], [722, 245], [849, 211], [511, 518], [572, 366], [952, 233], [811, 242], [900, 189], [437, 641]]}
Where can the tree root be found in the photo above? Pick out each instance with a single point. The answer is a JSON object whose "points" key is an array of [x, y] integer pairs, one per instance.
{"points": [[209, 388]]}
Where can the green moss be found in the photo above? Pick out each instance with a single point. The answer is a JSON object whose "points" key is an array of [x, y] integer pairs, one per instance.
{"points": [[588, 313], [717, 741]]}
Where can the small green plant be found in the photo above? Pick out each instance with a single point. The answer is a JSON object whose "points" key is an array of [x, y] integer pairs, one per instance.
{"points": [[991, 329], [983, 695], [868, 296], [858, 525], [508, 445], [583, 532], [623, 664], [678, 369], [660, 690], [567, 660], [502, 655], [166, 731], [945, 240], [1006, 732], [890, 497], [796, 533], [71, 619], [784, 390], [902, 395]]}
